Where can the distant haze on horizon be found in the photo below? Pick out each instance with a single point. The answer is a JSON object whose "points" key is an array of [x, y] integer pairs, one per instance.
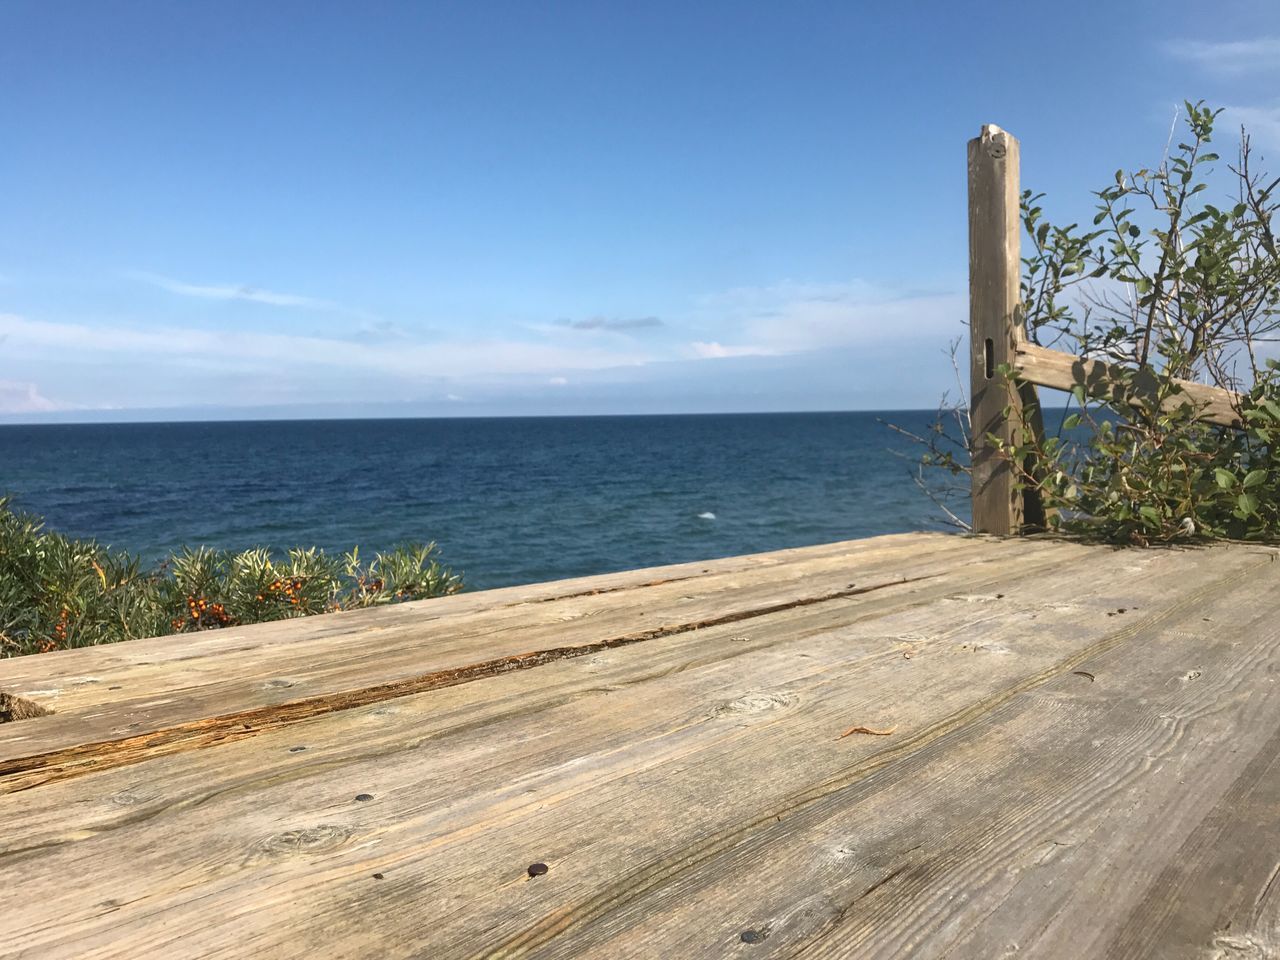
{"points": [[296, 210]]}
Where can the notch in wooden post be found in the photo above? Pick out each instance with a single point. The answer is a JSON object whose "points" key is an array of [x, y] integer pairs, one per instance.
{"points": [[995, 327]]}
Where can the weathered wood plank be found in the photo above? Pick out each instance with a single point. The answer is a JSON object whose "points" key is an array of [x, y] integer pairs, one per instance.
{"points": [[63, 668], [995, 405], [957, 602], [630, 776], [361, 641], [1219, 888], [236, 691], [1106, 381], [1034, 830]]}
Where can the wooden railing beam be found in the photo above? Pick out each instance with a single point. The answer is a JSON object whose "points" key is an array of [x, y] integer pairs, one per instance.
{"points": [[1111, 381], [1001, 410]]}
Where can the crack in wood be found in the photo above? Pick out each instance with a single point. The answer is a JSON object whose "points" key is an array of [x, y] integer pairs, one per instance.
{"points": [[1261, 898], [877, 885], [598, 591], [25, 773], [661, 872]]}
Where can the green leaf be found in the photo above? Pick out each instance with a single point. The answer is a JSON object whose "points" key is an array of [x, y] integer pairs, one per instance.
{"points": [[1246, 505], [1226, 479], [1253, 478]]}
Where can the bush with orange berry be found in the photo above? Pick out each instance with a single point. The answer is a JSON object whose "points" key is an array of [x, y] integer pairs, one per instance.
{"points": [[57, 593]]}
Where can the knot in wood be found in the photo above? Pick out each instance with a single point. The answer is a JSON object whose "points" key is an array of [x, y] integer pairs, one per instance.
{"points": [[326, 836], [1239, 948], [132, 797], [755, 702]]}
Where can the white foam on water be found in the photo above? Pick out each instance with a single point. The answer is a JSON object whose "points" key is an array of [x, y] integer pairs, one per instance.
{"points": [[706, 516]]}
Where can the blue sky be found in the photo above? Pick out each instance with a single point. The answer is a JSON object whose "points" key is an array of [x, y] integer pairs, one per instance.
{"points": [[292, 209]]}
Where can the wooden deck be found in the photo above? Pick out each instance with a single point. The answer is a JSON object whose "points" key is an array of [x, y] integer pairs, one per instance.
{"points": [[1066, 751]]}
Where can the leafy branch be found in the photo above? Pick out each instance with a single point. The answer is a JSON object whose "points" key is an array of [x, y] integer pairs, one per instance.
{"points": [[56, 592]]}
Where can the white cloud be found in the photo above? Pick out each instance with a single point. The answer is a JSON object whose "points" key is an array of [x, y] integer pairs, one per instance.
{"points": [[614, 323], [18, 397], [1242, 59], [92, 364], [281, 355], [714, 350], [1229, 57], [792, 317], [245, 294], [1261, 123]]}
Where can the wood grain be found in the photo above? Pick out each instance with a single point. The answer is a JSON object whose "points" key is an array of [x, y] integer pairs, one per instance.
{"points": [[232, 690], [995, 265], [1111, 381], [1037, 828], [1077, 753]]}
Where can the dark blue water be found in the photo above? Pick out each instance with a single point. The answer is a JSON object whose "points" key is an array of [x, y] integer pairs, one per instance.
{"points": [[508, 500]]}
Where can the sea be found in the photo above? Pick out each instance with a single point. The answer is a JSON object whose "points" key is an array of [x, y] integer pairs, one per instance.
{"points": [[508, 500]]}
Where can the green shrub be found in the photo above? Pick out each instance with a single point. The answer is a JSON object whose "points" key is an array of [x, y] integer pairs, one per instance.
{"points": [[57, 593], [1169, 287]]}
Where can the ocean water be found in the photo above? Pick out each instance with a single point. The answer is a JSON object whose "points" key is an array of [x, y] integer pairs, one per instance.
{"points": [[509, 500]]}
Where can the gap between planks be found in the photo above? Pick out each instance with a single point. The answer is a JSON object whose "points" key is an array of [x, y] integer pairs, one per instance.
{"points": [[31, 768], [1043, 826], [364, 647], [637, 884], [239, 804], [15, 774]]}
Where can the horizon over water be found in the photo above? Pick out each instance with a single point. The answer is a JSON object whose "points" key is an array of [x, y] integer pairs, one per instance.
{"points": [[508, 499]]}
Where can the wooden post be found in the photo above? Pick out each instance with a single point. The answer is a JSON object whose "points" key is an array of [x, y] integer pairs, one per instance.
{"points": [[995, 325]]}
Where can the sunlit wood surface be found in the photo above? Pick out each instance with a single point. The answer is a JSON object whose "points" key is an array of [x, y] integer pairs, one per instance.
{"points": [[1057, 751]]}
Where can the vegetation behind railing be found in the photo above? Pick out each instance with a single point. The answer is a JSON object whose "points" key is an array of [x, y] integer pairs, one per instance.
{"points": [[1161, 321], [57, 592]]}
